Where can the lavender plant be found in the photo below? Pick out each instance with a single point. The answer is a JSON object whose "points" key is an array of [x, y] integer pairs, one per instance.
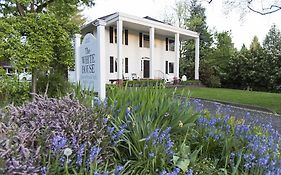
{"points": [[53, 136]]}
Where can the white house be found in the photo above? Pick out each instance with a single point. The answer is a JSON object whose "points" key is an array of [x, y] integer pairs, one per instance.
{"points": [[139, 48]]}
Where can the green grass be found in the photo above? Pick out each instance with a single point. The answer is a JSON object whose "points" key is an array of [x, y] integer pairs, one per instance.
{"points": [[270, 101]]}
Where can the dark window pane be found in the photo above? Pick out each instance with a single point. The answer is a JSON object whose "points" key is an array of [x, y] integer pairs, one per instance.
{"points": [[111, 34], [171, 45], [146, 41], [126, 65], [167, 44], [140, 39], [115, 66], [126, 37], [171, 67], [166, 69], [115, 31], [111, 65]]}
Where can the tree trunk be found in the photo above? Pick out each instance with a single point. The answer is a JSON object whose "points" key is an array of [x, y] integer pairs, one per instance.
{"points": [[34, 81]]}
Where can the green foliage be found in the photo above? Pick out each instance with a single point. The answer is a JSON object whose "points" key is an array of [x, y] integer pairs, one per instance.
{"points": [[47, 43], [191, 82], [139, 83], [196, 21], [145, 111], [257, 68], [56, 84], [13, 91]]}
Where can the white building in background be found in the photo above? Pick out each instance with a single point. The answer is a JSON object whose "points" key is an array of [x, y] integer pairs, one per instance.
{"points": [[139, 48]]}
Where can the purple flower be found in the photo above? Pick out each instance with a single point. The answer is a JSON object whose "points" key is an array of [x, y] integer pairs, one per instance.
{"points": [[58, 142], [80, 154], [94, 153], [189, 172]]}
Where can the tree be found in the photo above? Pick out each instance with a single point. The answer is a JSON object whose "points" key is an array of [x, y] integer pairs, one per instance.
{"points": [[263, 7], [223, 51], [35, 41], [61, 8], [38, 34], [196, 21], [272, 48]]}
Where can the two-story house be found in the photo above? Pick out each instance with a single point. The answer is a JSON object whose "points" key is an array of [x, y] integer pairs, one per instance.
{"points": [[140, 48]]}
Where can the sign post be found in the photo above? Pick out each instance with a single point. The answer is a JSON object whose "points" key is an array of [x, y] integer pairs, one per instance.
{"points": [[92, 62]]}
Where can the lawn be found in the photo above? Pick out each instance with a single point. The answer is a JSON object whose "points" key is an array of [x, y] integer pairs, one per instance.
{"points": [[270, 101]]}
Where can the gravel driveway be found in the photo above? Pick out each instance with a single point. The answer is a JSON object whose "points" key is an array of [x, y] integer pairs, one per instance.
{"points": [[251, 116]]}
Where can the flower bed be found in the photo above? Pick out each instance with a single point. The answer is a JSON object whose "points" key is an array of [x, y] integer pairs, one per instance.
{"points": [[134, 131]]}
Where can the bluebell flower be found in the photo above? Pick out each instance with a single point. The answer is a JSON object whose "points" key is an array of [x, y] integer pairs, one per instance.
{"points": [[151, 155], [94, 153], [189, 172], [44, 170], [80, 154], [58, 142]]}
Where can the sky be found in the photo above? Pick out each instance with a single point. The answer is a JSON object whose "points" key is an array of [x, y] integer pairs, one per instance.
{"points": [[242, 30]]}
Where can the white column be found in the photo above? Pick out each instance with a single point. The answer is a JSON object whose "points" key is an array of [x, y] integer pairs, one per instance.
{"points": [[177, 55], [77, 43], [119, 48], [197, 58], [101, 50], [151, 45]]}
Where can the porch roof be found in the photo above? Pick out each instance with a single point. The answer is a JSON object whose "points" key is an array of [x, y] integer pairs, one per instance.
{"points": [[144, 24]]}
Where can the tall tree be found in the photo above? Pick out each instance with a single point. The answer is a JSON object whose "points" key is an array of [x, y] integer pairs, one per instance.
{"points": [[272, 48], [196, 21], [39, 33]]}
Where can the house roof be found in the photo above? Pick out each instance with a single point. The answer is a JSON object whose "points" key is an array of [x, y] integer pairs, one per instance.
{"points": [[145, 21], [153, 19]]}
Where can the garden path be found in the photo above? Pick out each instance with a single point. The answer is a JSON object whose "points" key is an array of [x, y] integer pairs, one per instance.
{"points": [[250, 116]]}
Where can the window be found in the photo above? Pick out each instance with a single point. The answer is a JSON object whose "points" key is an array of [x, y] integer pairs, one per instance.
{"points": [[110, 34], [111, 69], [146, 41], [116, 66], [170, 44], [171, 67], [115, 32], [140, 39], [126, 37], [113, 35], [167, 44], [167, 67], [126, 65]]}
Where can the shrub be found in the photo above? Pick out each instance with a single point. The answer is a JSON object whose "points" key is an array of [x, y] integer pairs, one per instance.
{"points": [[13, 91], [54, 136], [56, 84], [144, 83]]}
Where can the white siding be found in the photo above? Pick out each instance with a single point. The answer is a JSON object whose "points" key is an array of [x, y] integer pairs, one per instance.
{"points": [[134, 53]]}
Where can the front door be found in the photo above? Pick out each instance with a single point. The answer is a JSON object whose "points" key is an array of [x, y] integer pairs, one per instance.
{"points": [[145, 68]]}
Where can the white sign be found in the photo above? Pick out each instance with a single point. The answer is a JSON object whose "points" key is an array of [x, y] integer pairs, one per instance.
{"points": [[90, 65], [88, 62]]}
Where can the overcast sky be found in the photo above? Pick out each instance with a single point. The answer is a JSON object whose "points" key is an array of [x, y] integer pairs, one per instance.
{"points": [[242, 31]]}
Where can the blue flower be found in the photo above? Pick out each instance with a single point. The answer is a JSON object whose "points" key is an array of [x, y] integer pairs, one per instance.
{"points": [[189, 172], [58, 142], [80, 154], [151, 155], [94, 153], [44, 170]]}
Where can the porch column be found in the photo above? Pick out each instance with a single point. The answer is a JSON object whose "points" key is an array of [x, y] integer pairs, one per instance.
{"points": [[77, 43], [177, 55], [151, 46], [101, 52], [119, 49], [197, 58]]}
